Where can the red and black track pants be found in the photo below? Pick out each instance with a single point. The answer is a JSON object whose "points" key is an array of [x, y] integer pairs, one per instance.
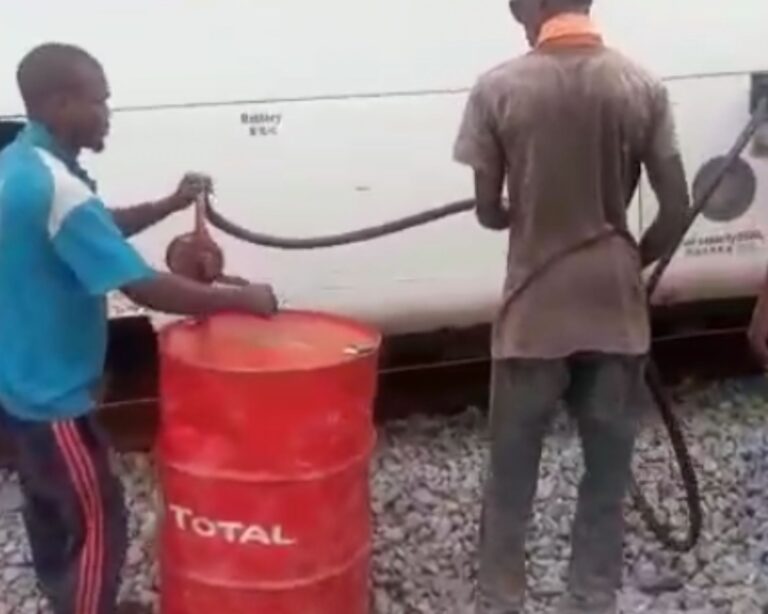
{"points": [[74, 512]]}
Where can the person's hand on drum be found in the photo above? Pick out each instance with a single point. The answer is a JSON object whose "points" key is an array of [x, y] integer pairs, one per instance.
{"points": [[258, 299]]}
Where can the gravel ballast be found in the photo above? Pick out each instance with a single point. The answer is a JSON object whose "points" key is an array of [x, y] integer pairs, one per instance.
{"points": [[427, 475]]}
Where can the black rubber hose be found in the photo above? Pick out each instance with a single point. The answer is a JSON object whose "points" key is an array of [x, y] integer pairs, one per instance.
{"points": [[336, 240], [664, 533], [653, 378]]}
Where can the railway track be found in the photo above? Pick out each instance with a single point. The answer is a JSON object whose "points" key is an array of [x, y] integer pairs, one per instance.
{"points": [[442, 374]]}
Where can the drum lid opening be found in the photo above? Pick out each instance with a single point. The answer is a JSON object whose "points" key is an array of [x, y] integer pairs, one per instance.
{"points": [[290, 341]]}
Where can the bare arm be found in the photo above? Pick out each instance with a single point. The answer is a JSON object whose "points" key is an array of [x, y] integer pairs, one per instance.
{"points": [[133, 220], [174, 294], [667, 178], [758, 327], [478, 146], [664, 166], [490, 210]]}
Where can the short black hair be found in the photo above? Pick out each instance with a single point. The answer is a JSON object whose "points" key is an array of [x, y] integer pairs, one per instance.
{"points": [[50, 69], [8, 132], [571, 4], [576, 3], [567, 4]]}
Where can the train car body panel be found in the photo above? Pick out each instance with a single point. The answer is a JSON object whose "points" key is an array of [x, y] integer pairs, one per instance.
{"points": [[316, 118], [724, 254]]}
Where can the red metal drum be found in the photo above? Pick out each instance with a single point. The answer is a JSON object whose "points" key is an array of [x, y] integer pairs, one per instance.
{"points": [[264, 447]]}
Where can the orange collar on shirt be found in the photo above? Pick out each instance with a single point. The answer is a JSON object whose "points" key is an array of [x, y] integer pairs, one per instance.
{"points": [[570, 30]]}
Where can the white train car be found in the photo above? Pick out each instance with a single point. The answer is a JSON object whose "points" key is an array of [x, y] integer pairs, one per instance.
{"points": [[318, 117]]}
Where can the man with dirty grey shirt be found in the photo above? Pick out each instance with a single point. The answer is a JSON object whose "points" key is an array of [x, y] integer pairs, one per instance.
{"points": [[568, 127]]}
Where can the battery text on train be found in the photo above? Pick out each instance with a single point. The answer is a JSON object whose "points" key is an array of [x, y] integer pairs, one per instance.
{"points": [[746, 241], [232, 532], [262, 124]]}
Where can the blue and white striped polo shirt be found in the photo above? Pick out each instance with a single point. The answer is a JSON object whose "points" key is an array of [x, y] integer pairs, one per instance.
{"points": [[60, 254]]}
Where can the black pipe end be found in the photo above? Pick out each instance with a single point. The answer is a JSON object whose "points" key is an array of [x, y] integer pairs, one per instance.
{"points": [[759, 89]]}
